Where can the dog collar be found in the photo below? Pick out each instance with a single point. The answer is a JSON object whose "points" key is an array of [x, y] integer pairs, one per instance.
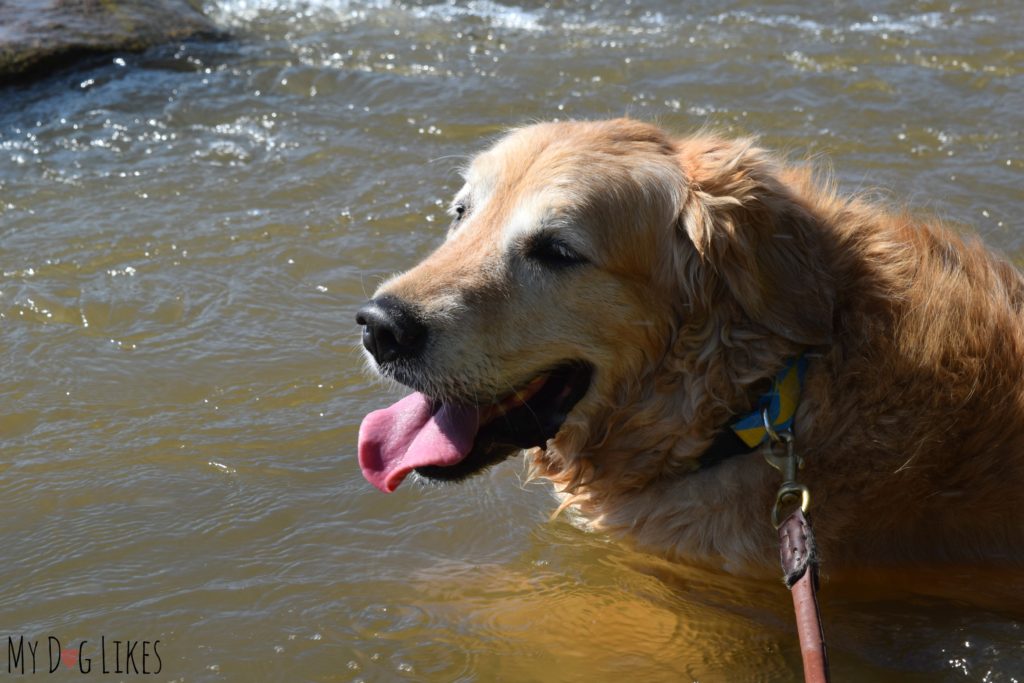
{"points": [[746, 433], [780, 402]]}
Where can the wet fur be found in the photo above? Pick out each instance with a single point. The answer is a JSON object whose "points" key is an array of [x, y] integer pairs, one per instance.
{"points": [[710, 262]]}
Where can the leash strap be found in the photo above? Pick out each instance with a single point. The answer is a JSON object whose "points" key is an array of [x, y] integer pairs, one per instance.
{"points": [[800, 571]]}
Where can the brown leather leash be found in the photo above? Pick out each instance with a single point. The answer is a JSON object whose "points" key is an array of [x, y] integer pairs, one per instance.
{"points": [[800, 569], [798, 555]]}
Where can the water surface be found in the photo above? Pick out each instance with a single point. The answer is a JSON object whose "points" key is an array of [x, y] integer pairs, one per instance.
{"points": [[186, 233]]}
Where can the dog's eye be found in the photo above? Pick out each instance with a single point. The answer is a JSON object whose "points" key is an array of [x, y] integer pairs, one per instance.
{"points": [[552, 252], [459, 211]]}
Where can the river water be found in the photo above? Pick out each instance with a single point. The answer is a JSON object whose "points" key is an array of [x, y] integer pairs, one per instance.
{"points": [[185, 235]]}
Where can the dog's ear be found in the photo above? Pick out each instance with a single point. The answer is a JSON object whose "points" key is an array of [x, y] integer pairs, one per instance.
{"points": [[752, 233]]}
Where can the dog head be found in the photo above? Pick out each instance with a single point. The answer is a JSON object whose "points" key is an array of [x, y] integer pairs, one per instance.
{"points": [[605, 293]]}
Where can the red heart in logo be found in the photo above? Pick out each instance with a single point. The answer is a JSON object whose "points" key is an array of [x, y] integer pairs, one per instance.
{"points": [[69, 657]]}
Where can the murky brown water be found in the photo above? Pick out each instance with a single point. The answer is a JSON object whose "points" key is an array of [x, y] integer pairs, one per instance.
{"points": [[184, 238]]}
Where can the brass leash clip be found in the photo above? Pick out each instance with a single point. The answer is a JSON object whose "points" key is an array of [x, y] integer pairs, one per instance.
{"points": [[788, 465]]}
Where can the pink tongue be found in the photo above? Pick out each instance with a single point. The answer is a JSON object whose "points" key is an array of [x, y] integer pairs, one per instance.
{"points": [[396, 440]]}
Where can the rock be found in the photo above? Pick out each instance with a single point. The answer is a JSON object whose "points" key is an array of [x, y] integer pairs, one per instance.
{"points": [[36, 35]]}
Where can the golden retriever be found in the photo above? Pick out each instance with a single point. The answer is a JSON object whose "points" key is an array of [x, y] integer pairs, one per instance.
{"points": [[609, 297]]}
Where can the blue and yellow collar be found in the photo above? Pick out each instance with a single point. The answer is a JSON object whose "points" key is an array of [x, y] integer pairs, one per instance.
{"points": [[781, 403], [747, 432]]}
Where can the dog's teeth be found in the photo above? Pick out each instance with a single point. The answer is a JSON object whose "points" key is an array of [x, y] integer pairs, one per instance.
{"points": [[517, 399]]}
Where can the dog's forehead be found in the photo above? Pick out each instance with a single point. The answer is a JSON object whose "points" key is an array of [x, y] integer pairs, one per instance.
{"points": [[586, 157], [521, 179], [586, 180], [540, 168], [516, 157]]}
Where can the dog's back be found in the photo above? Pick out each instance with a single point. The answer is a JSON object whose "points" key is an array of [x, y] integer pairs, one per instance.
{"points": [[915, 417]]}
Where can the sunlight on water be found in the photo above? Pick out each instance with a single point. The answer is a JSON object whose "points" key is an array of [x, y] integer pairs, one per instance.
{"points": [[186, 233]]}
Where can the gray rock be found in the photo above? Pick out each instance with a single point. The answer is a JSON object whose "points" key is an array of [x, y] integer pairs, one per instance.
{"points": [[38, 34]]}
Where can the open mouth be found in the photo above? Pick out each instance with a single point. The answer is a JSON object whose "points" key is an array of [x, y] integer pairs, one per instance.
{"points": [[451, 441]]}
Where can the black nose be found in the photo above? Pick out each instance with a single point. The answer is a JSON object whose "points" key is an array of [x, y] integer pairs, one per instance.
{"points": [[391, 329]]}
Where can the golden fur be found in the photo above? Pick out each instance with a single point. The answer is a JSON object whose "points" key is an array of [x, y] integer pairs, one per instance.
{"points": [[710, 261]]}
